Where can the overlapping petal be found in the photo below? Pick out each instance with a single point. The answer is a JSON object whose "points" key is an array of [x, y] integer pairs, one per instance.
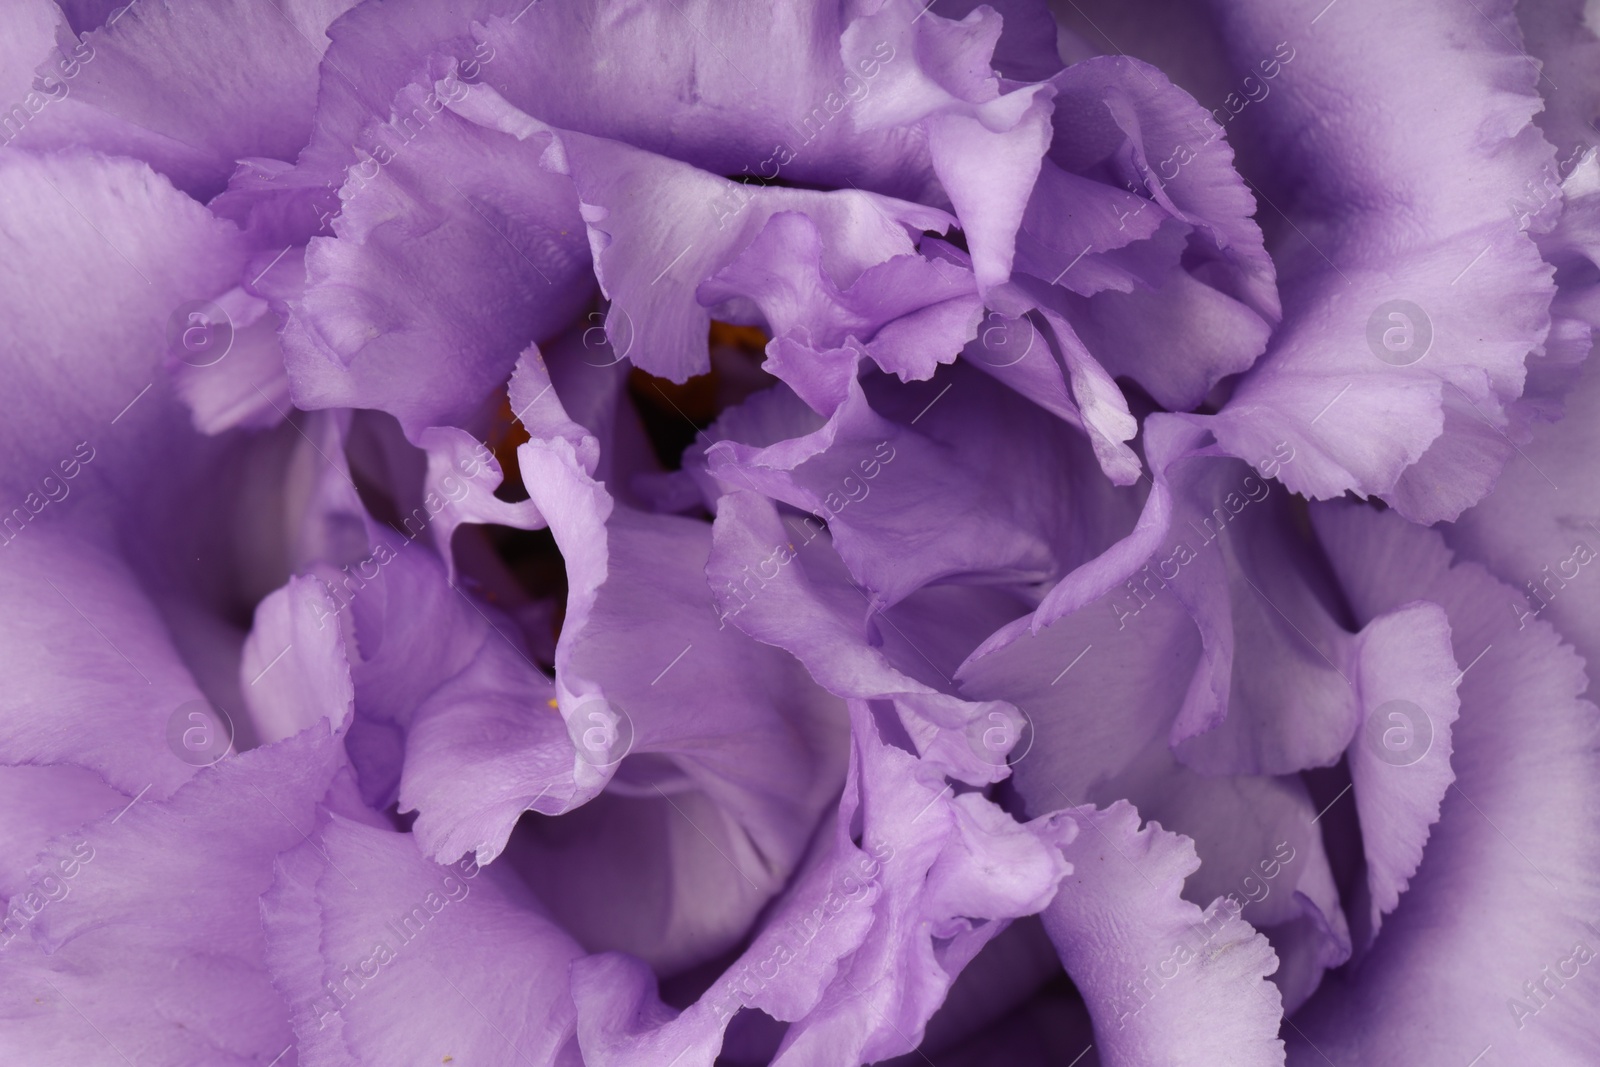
{"points": [[442, 271], [124, 86], [1164, 980], [1413, 296], [157, 950], [773, 494], [361, 929], [1506, 886]]}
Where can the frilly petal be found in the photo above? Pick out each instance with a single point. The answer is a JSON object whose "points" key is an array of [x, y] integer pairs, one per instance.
{"points": [[985, 145], [1195, 302], [871, 470], [127, 86], [1124, 121], [1397, 788], [812, 608], [1507, 885], [761, 91], [836, 956], [908, 314], [1165, 981], [1398, 369], [710, 723], [382, 955], [1103, 699], [157, 951], [659, 228], [442, 273], [1565, 42]]}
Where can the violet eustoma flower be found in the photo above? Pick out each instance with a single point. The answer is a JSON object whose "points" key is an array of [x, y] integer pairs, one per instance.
{"points": [[667, 534]]}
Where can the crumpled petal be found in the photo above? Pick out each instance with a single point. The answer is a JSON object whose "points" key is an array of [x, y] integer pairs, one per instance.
{"points": [[482, 748], [1102, 695], [1088, 236], [835, 956], [127, 86], [908, 314], [650, 219], [1507, 885], [382, 955], [641, 645], [442, 272], [985, 144], [758, 91], [1121, 119], [1165, 981], [1215, 537], [1568, 50], [1177, 326], [921, 488], [846, 473], [810, 607], [486, 737], [1415, 296], [136, 966], [406, 676]]}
